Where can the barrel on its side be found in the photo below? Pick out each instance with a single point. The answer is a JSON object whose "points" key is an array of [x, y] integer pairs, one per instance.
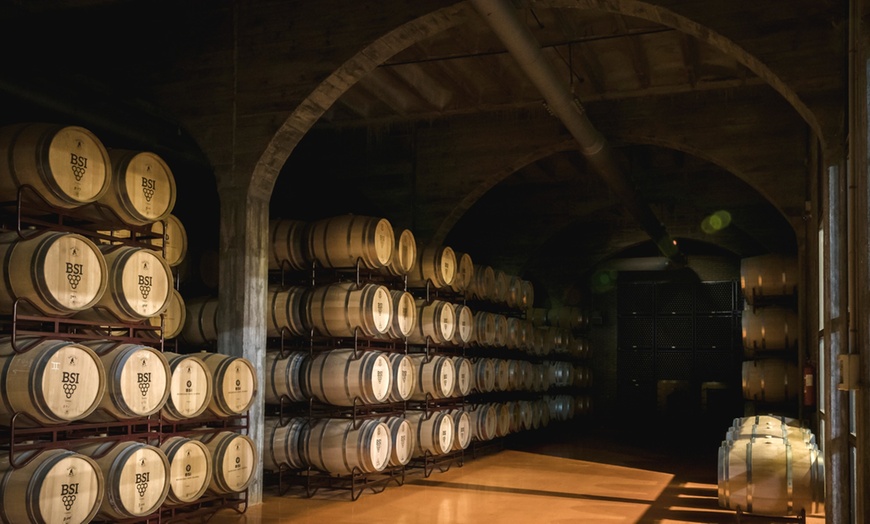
{"points": [[235, 383], [142, 188], [136, 474], [138, 379], [341, 447], [464, 376], [190, 387], [190, 469], [200, 321], [436, 377], [768, 275], [769, 329], [404, 319], [345, 240], [139, 284], [484, 420], [56, 485], [403, 440], [287, 248], [464, 273], [404, 377], [68, 166], [285, 376], [404, 256], [435, 265], [234, 461], [436, 322], [434, 432], [484, 375], [464, 331], [462, 431], [342, 309], [343, 377], [287, 311], [51, 382], [283, 441], [172, 318], [770, 380], [60, 274]]}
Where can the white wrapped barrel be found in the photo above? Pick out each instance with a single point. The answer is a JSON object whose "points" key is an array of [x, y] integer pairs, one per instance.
{"points": [[403, 440], [464, 273], [436, 377], [234, 461], [462, 431], [404, 320], [67, 166], [190, 469], [770, 329], [137, 380], [287, 311], [436, 322], [136, 475], [283, 442], [50, 382], [434, 432], [235, 383], [484, 329], [484, 375], [404, 377], [768, 275], [341, 447], [190, 387], [464, 331], [344, 377], [483, 286], [139, 285], [341, 309], [342, 241], [484, 421], [56, 485], [285, 376], [464, 376], [770, 380], [60, 274], [435, 265], [404, 255], [287, 249], [200, 322], [771, 476], [142, 189]]}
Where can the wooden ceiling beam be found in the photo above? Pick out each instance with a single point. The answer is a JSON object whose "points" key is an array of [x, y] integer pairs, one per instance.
{"points": [[636, 52]]}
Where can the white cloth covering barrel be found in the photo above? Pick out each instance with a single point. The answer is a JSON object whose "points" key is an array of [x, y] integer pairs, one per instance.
{"points": [[190, 387], [404, 377], [136, 474], [56, 485], [341, 447], [235, 383], [138, 379], [190, 469], [436, 322], [58, 274], [234, 461], [68, 166], [49, 382], [341, 309], [283, 441], [436, 376], [344, 377], [434, 432], [403, 440], [284, 376], [345, 240]]}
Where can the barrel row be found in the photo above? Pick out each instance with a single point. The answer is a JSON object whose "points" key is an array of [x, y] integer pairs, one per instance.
{"points": [[572, 318], [344, 377], [54, 382], [771, 465], [69, 167], [768, 276], [123, 480]]}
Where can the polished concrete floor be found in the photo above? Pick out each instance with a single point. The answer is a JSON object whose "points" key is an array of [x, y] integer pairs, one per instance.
{"points": [[563, 474]]}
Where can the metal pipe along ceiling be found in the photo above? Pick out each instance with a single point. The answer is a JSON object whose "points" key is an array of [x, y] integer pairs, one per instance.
{"points": [[522, 45]]}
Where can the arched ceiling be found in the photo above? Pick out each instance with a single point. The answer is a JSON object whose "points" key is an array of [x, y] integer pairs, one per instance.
{"points": [[417, 112]]}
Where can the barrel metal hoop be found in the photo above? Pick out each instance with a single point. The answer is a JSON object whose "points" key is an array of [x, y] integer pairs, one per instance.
{"points": [[750, 488]]}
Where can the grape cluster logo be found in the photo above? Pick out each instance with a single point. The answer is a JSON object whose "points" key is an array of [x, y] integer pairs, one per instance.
{"points": [[149, 186], [78, 165]]}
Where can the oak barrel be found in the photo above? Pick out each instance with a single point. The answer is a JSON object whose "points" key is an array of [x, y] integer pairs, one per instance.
{"points": [[173, 317], [770, 329], [433, 431], [484, 375], [340, 446], [136, 474], [404, 319], [464, 376], [139, 285], [190, 469], [483, 286], [200, 321], [462, 431], [484, 329], [404, 256], [502, 374], [50, 382], [142, 189], [342, 241], [484, 420], [59, 273], [68, 166], [341, 308], [768, 275], [287, 311], [190, 387], [770, 380], [501, 330], [771, 476], [284, 376], [235, 383], [769, 426], [56, 485], [436, 322], [167, 236], [500, 290], [435, 265], [404, 377], [403, 440], [287, 245], [503, 420], [283, 440], [464, 331], [343, 377], [464, 273], [436, 376], [137, 377], [234, 461]]}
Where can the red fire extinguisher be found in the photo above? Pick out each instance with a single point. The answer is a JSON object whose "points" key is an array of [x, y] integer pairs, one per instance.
{"points": [[809, 373]]}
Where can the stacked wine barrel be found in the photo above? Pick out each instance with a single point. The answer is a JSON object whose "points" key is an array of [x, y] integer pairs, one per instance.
{"points": [[111, 284], [770, 331]]}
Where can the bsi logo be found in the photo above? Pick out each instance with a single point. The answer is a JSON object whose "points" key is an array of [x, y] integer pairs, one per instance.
{"points": [[149, 186], [78, 165], [68, 494], [142, 482], [144, 381], [74, 274]]}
